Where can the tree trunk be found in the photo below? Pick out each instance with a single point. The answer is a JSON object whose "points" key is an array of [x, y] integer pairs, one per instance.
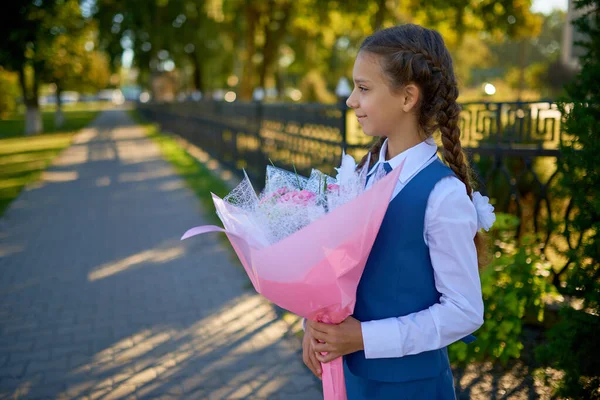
{"points": [[33, 117], [459, 24], [59, 117], [273, 39], [197, 75], [246, 85], [379, 15], [268, 46], [33, 120], [279, 84], [521, 69]]}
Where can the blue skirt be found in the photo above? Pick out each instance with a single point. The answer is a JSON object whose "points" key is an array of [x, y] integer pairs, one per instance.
{"points": [[438, 388]]}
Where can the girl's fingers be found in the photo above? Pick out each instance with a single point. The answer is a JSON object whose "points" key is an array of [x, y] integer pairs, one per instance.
{"points": [[319, 335], [321, 327], [311, 362], [323, 347], [308, 356], [316, 364], [327, 357], [313, 357]]}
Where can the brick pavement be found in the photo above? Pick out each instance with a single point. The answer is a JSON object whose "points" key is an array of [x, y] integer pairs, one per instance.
{"points": [[100, 299]]}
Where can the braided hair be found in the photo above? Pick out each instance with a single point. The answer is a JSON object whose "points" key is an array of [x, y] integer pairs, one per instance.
{"points": [[413, 54]]}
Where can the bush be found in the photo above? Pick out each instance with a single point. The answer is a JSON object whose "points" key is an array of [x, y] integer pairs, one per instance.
{"points": [[514, 285], [572, 347], [572, 344]]}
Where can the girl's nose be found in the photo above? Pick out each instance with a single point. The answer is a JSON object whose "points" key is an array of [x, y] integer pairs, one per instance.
{"points": [[351, 101]]}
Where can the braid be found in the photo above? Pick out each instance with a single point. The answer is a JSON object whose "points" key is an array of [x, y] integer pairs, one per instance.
{"points": [[374, 150], [447, 119], [453, 152]]}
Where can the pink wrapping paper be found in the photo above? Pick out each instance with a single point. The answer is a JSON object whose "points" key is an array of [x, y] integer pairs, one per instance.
{"points": [[315, 272]]}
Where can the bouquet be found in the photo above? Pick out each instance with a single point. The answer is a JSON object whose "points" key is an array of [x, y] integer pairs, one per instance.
{"points": [[304, 241]]}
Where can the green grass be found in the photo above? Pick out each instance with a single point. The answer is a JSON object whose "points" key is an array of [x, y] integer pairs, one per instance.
{"points": [[23, 158], [14, 127]]}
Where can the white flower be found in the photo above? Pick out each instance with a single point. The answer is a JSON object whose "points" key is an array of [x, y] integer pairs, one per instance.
{"points": [[346, 171], [485, 211]]}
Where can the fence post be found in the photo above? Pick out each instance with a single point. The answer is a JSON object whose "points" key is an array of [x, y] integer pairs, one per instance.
{"points": [[342, 92], [257, 96], [343, 127]]}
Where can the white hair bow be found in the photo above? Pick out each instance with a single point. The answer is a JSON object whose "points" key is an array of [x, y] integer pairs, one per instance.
{"points": [[485, 211]]}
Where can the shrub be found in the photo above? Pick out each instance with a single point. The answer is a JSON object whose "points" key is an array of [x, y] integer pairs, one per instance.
{"points": [[514, 285], [572, 344]]}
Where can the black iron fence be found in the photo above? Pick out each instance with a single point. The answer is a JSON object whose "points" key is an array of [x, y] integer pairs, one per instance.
{"points": [[513, 146]]}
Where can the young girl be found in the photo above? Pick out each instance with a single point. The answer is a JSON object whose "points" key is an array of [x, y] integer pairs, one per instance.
{"points": [[420, 290]]}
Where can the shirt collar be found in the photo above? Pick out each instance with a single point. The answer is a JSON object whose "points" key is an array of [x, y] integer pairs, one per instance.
{"points": [[414, 158]]}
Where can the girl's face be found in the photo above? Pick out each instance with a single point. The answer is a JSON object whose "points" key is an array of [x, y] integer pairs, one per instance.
{"points": [[378, 109]]}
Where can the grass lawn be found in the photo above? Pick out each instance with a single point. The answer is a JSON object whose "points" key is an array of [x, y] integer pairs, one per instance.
{"points": [[23, 158]]}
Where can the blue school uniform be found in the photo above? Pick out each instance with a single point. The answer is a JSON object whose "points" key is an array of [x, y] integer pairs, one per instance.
{"points": [[399, 280]]}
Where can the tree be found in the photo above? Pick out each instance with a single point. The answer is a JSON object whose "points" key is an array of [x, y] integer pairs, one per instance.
{"points": [[465, 23], [45, 41], [573, 344], [25, 35], [324, 39], [307, 43], [68, 65], [165, 34], [534, 62]]}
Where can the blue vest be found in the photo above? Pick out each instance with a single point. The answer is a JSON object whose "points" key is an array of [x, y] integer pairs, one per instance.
{"points": [[398, 280]]}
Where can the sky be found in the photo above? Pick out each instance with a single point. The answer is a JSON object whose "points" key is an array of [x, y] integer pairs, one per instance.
{"points": [[545, 6]]}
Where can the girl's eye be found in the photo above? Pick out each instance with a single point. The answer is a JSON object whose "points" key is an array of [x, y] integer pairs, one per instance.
{"points": [[362, 89]]}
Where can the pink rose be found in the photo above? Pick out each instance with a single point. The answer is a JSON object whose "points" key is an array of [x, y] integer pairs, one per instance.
{"points": [[274, 196], [333, 187], [303, 198]]}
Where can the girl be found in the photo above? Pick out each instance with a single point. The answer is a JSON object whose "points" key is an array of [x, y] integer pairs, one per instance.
{"points": [[420, 290]]}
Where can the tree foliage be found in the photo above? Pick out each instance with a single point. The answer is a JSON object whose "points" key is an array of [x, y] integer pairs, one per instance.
{"points": [[306, 43], [46, 43], [573, 345]]}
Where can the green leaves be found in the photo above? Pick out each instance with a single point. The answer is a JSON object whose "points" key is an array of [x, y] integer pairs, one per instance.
{"points": [[513, 287], [573, 341]]}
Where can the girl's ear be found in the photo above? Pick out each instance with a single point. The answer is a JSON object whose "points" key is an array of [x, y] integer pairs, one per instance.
{"points": [[410, 97]]}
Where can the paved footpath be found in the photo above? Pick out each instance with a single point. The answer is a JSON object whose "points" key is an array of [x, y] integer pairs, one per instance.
{"points": [[99, 299]]}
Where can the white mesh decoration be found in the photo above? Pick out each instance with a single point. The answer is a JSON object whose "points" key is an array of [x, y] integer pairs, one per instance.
{"points": [[287, 204], [280, 178], [290, 201], [243, 195], [350, 183], [317, 183]]}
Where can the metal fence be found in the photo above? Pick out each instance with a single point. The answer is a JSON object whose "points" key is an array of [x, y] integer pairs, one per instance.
{"points": [[513, 146]]}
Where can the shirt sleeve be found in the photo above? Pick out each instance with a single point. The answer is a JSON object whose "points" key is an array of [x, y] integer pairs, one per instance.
{"points": [[450, 226]]}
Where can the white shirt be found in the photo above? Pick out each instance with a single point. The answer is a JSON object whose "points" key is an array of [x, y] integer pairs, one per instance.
{"points": [[449, 229]]}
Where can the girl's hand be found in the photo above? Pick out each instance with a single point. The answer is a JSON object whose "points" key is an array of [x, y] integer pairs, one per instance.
{"points": [[309, 355], [336, 340]]}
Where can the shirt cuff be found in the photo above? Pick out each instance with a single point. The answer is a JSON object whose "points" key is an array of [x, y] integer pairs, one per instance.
{"points": [[382, 338]]}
